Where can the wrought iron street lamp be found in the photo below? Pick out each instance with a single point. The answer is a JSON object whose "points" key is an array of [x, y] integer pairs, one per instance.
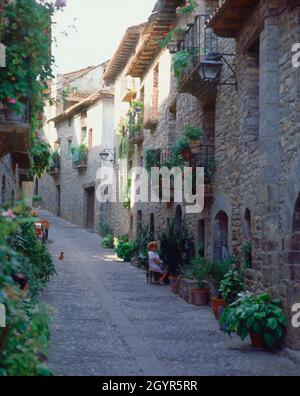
{"points": [[211, 67], [104, 155]]}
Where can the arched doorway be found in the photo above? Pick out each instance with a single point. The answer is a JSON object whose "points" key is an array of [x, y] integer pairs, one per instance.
{"points": [[221, 241], [178, 221]]}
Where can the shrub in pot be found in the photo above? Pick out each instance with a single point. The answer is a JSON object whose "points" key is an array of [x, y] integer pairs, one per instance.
{"points": [[202, 269], [126, 250], [108, 242], [216, 276], [261, 317], [231, 286]]}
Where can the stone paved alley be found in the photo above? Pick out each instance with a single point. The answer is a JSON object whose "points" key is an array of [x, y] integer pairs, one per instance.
{"points": [[108, 321]]}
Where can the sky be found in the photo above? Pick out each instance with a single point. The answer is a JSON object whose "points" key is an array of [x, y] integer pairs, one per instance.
{"points": [[94, 30]]}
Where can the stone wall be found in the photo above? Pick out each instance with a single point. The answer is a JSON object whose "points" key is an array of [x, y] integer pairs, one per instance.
{"points": [[8, 184]]}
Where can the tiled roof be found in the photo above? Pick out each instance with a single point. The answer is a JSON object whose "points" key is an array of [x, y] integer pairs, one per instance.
{"points": [[229, 17], [123, 53]]}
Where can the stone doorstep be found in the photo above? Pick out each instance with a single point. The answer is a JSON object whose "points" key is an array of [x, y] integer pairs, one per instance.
{"points": [[294, 356]]}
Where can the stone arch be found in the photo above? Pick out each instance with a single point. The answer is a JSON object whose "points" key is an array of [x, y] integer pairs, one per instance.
{"points": [[221, 236]]}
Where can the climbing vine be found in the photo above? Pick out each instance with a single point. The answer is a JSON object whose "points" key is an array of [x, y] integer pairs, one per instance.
{"points": [[24, 81]]}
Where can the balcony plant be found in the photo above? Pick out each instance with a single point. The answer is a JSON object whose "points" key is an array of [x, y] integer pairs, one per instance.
{"points": [[261, 317], [181, 61], [188, 8], [55, 161], [83, 154], [29, 67]]}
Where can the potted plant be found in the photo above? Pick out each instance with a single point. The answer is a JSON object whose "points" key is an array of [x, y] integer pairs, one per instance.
{"points": [[261, 317], [194, 135], [82, 154], [217, 274], [246, 249], [36, 201], [55, 160], [126, 250], [187, 282], [172, 250], [231, 286], [202, 269]]}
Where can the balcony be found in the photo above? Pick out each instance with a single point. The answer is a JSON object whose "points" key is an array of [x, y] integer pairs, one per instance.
{"points": [[54, 170], [199, 41], [80, 158], [14, 131], [136, 136], [202, 156]]}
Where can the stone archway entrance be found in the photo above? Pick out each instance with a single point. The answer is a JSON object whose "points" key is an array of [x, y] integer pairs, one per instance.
{"points": [[221, 240]]}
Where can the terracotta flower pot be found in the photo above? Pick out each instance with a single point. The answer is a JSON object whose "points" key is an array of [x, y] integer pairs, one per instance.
{"points": [[217, 304], [257, 340], [200, 297]]}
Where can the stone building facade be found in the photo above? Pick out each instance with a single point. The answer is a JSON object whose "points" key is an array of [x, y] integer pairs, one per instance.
{"points": [[252, 128], [82, 117]]}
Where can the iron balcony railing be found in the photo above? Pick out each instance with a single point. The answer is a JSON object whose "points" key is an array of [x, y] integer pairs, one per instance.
{"points": [[199, 40], [203, 158]]}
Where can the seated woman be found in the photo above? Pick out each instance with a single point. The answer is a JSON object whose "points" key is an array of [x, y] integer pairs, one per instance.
{"points": [[155, 263]]}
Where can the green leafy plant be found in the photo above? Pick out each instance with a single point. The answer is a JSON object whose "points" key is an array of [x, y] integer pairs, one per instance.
{"points": [[127, 198], [24, 81], [181, 61], [55, 160], [202, 269], [187, 271], [108, 242], [152, 159], [105, 229], [193, 133], [231, 286], [188, 8], [259, 314], [40, 156], [36, 198], [126, 250], [217, 274], [173, 247]]}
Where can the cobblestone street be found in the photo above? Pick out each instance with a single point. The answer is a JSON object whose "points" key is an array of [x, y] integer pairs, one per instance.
{"points": [[108, 321]]}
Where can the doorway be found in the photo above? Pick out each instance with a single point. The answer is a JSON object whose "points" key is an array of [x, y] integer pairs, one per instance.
{"points": [[90, 208]]}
